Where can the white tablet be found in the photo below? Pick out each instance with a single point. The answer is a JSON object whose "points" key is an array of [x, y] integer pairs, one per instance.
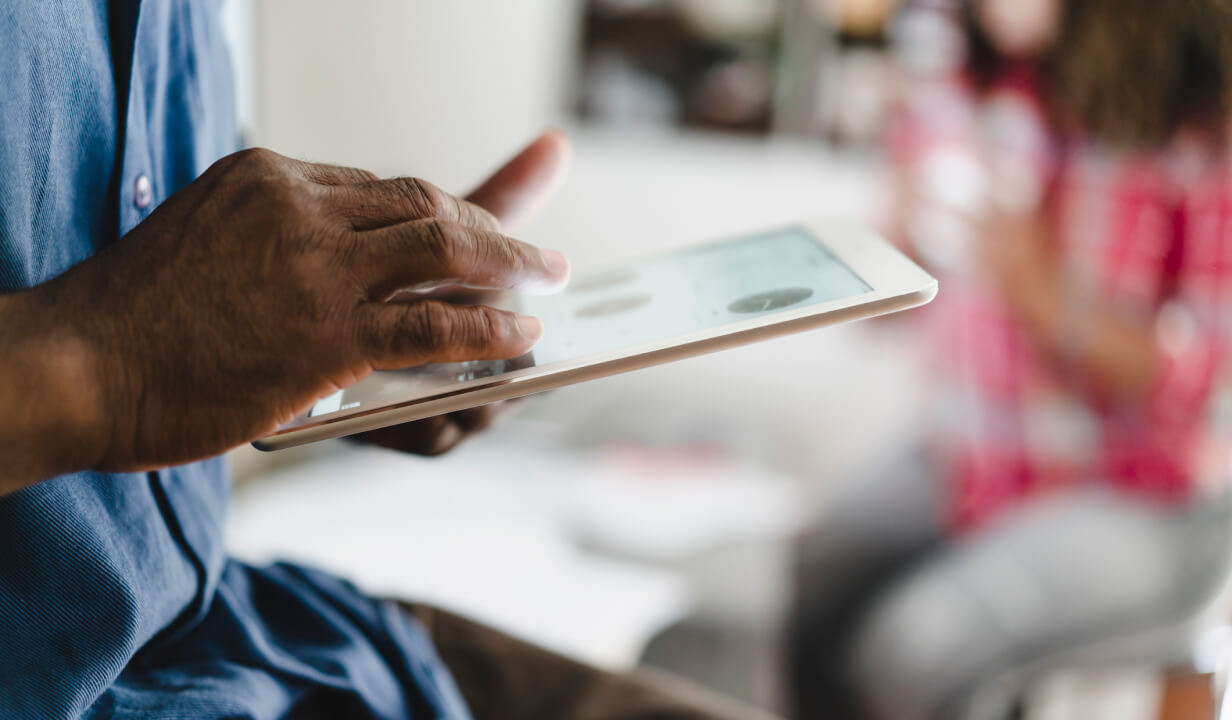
{"points": [[664, 308]]}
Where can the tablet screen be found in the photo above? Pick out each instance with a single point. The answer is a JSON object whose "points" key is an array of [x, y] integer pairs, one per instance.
{"points": [[652, 301]]}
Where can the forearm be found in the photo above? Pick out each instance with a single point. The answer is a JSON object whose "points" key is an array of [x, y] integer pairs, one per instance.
{"points": [[1110, 353], [49, 401]]}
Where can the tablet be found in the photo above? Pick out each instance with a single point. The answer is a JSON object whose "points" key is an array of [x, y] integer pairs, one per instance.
{"points": [[665, 308]]}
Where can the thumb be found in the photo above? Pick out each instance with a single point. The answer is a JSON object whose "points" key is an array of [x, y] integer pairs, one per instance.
{"points": [[521, 188]]}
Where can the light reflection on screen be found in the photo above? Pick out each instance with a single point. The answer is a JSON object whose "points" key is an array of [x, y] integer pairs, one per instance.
{"points": [[659, 299]]}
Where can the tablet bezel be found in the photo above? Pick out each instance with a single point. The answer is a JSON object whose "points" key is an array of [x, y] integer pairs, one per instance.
{"points": [[896, 284]]}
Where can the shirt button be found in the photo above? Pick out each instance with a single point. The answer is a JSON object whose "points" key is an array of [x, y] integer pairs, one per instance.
{"points": [[143, 193]]}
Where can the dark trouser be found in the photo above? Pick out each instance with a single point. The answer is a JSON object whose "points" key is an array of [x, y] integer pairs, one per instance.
{"points": [[872, 535], [503, 678]]}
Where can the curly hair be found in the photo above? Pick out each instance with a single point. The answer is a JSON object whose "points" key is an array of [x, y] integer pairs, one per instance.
{"points": [[1130, 72]]}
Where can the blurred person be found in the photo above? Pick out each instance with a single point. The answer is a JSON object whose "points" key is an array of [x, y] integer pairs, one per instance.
{"points": [[1072, 187], [166, 299]]}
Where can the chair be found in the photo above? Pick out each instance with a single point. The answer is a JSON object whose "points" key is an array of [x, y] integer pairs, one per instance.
{"points": [[1201, 643]]}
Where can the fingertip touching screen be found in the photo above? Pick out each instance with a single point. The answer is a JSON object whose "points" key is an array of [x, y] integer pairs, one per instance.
{"points": [[652, 301]]}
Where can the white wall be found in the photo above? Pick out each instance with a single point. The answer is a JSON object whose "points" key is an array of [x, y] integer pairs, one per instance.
{"points": [[238, 17], [435, 88]]}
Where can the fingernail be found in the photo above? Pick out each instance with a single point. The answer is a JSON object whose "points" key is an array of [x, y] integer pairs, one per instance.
{"points": [[530, 327], [557, 266], [556, 263]]}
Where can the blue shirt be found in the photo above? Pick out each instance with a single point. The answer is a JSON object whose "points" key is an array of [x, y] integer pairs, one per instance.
{"points": [[117, 599]]}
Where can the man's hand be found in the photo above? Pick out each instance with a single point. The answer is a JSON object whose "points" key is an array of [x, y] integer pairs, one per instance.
{"points": [[513, 194], [240, 301]]}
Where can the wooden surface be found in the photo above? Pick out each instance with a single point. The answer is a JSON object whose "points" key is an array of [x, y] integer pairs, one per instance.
{"points": [[1187, 697]]}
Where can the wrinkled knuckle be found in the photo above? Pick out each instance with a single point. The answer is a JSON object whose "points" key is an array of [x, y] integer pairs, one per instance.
{"points": [[491, 329], [224, 164], [503, 256], [258, 158], [257, 154], [511, 257], [439, 242], [332, 175], [245, 163], [427, 200], [434, 326], [472, 330], [360, 176]]}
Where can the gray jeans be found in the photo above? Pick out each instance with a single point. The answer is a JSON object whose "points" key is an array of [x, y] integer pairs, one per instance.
{"points": [[894, 622]]}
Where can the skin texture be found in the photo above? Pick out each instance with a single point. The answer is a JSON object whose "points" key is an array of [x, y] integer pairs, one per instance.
{"points": [[1020, 28], [1117, 356], [244, 298], [514, 194]]}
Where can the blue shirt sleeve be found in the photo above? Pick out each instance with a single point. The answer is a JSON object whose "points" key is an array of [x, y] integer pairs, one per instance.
{"points": [[116, 596]]}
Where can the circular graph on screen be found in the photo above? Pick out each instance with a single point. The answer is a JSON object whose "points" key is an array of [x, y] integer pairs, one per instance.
{"points": [[773, 300]]}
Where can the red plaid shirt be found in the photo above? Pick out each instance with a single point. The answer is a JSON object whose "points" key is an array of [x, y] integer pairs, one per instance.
{"points": [[1145, 234]]}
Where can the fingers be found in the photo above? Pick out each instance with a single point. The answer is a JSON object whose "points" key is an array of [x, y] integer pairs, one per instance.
{"points": [[513, 194], [414, 236], [435, 436], [368, 202], [397, 336], [380, 203], [473, 420], [335, 175], [519, 189], [426, 255], [430, 437]]}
